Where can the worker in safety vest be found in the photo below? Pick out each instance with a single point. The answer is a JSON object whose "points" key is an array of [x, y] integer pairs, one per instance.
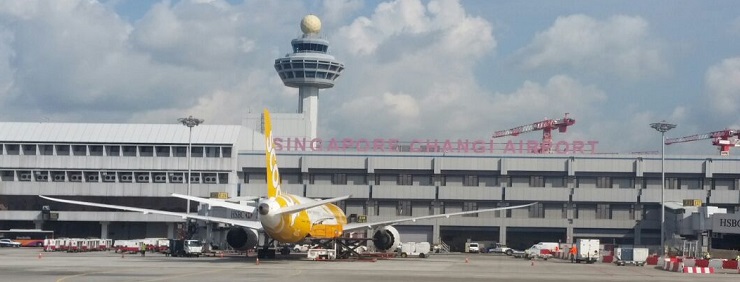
{"points": [[573, 251], [142, 247]]}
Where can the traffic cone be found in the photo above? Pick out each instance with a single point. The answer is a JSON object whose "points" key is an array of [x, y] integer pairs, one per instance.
{"points": [[221, 254], [532, 264], [39, 255], [466, 260], [257, 262]]}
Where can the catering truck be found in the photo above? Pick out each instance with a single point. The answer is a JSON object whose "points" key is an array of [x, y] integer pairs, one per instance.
{"points": [[588, 250], [185, 248]]}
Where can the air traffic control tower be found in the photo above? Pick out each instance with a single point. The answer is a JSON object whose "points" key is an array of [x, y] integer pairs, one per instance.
{"points": [[309, 68]]}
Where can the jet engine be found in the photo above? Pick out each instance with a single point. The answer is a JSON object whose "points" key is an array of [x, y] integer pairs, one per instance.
{"points": [[386, 238], [242, 238]]}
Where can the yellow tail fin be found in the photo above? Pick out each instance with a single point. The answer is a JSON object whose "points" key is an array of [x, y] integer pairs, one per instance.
{"points": [[273, 175]]}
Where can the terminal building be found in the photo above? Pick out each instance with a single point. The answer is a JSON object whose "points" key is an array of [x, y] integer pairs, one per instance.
{"points": [[615, 198]]}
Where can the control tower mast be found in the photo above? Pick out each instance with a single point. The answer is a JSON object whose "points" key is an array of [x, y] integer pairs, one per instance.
{"points": [[309, 68]]}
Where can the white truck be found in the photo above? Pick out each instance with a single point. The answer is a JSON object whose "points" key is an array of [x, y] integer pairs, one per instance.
{"points": [[588, 250], [543, 250], [420, 249], [472, 247], [633, 256]]}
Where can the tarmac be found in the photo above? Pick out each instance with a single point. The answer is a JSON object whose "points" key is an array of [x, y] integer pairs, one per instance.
{"points": [[30, 264]]}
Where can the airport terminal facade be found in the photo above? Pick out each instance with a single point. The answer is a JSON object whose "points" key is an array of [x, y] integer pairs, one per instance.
{"points": [[612, 197]]}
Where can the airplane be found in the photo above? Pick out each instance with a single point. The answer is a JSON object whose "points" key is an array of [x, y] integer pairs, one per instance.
{"points": [[289, 218]]}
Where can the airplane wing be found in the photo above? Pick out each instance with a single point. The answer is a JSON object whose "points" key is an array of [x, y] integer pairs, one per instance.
{"points": [[217, 203], [354, 226], [243, 223], [306, 206]]}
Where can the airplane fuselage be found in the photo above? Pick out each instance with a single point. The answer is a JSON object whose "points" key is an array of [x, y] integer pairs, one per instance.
{"points": [[295, 227]]}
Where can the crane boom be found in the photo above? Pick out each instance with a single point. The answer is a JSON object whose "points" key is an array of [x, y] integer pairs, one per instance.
{"points": [[711, 135], [546, 126], [721, 138]]}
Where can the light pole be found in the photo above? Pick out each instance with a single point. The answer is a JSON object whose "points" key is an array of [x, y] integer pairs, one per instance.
{"points": [[662, 127], [189, 122]]}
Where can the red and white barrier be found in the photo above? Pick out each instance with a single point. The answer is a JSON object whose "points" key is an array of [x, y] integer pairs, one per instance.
{"points": [[699, 270]]}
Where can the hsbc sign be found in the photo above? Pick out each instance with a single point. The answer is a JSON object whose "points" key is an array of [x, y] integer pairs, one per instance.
{"points": [[726, 223]]}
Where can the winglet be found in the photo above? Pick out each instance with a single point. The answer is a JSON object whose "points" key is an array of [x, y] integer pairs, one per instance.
{"points": [[273, 175]]}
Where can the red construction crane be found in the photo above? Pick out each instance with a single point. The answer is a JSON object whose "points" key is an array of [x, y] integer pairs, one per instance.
{"points": [[724, 139], [546, 126]]}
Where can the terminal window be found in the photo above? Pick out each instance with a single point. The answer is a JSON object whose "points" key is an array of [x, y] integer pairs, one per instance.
{"points": [[537, 211], [470, 206], [405, 179], [603, 211], [403, 208], [470, 180]]}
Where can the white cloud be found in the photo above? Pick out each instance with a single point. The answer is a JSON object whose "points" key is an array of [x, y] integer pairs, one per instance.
{"points": [[620, 45], [723, 85]]}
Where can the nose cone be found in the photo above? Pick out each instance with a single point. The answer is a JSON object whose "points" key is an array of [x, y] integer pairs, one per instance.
{"points": [[263, 209]]}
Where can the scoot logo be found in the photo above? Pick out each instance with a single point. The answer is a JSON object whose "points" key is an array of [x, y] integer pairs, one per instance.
{"points": [[272, 160]]}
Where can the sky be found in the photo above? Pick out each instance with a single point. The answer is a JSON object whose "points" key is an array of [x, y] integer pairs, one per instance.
{"points": [[414, 69]]}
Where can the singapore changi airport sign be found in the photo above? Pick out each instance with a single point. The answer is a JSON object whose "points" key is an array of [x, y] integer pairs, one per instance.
{"points": [[726, 223], [462, 146]]}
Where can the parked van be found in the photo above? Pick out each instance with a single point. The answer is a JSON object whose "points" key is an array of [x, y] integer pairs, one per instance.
{"points": [[543, 250]]}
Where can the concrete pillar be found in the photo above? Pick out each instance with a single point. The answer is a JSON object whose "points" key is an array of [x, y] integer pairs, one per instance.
{"points": [[502, 234], [104, 229], [638, 235], [170, 230], [435, 233], [569, 234], [38, 224]]}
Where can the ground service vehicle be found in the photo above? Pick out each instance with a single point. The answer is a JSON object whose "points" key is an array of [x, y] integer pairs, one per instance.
{"points": [[541, 250], [9, 243], [472, 247], [588, 250], [185, 248], [633, 256], [420, 249], [501, 249], [27, 237]]}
